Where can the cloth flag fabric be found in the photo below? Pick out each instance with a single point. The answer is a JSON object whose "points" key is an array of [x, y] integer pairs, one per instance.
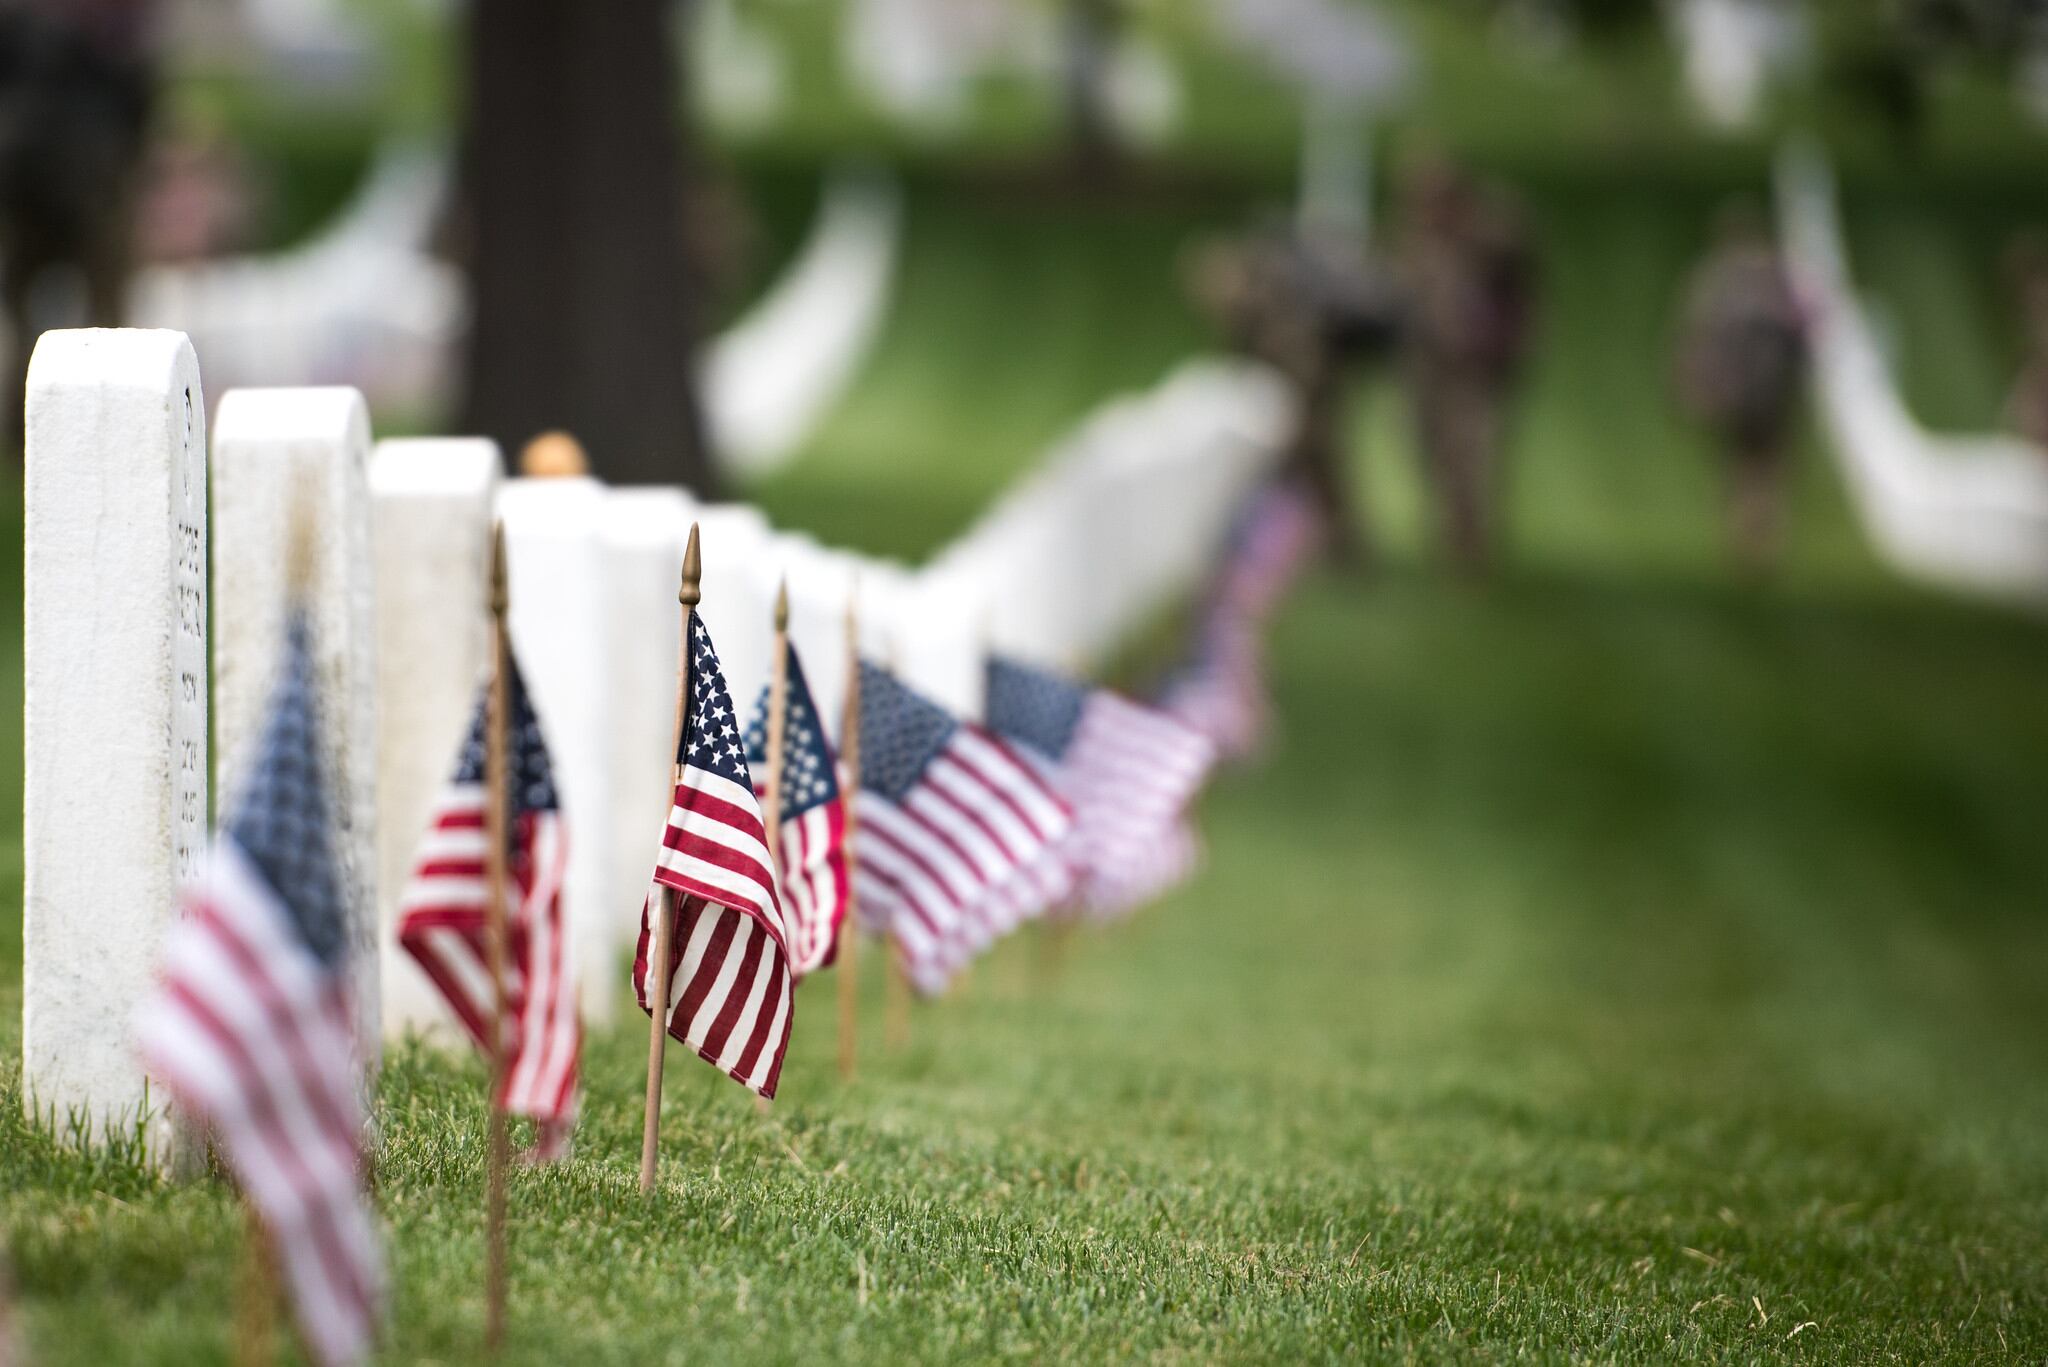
{"points": [[1128, 771], [442, 918], [949, 814], [249, 1026], [812, 861], [1222, 691], [730, 982]]}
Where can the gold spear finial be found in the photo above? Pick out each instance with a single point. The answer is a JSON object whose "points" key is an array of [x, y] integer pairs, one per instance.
{"points": [[782, 605], [689, 595]]}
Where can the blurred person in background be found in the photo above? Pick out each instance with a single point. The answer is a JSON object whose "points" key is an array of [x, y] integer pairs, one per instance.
{"points": [[2026, 407], [1469, 271], [1316, 307], [76, 83], [1740, 364]]}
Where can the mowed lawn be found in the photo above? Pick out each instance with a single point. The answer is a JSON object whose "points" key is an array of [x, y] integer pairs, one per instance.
{"points": [[1610, 962]]}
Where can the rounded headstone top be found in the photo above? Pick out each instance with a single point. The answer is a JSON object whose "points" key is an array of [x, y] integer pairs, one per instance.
{"points": [[145, 357], [434, 465], [327, 414], [553, 455]]}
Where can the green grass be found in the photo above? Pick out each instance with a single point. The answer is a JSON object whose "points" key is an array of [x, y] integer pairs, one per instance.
{"points": [[1607, 963]]}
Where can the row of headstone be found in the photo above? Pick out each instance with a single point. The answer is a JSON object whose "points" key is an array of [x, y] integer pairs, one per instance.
{"points": [[1124, 517], [395, 542]]}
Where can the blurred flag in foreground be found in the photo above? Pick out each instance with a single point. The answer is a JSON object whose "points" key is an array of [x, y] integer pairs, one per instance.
{"points": [[442, 921], [813, 835], [1221, 692], [1129, 772], [249, 1028], [729, 985], [951, 813]]}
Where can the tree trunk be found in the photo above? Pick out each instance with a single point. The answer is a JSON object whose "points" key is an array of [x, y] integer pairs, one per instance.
{"points": [[584, 317], [1090, 33]]}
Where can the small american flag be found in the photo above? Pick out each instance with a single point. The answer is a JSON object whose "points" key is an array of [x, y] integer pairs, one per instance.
{"points": [[1222, 691], [1129, 772], [442, 919], [249, 1027], [952, 813], [730, 984], [813, 865]]}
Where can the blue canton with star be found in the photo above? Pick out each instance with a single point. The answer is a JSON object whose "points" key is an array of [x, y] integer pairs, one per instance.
{"points": [[1032, 706], [807, 777], [711, 729], [900, 732], [280, 817], [532, 774]]}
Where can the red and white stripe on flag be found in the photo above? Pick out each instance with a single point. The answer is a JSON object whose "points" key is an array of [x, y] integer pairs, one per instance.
{"points": [[928, 862], [814, 884], [730, 988], [247, 1029], [1131, 773], [442, 925]]}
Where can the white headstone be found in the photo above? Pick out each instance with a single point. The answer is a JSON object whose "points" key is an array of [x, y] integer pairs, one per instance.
{"points": [[555, 564], [288, 462], [114, 650], [644, 533], [942, 641], [739, 595], [821, 581], [431, 502]]}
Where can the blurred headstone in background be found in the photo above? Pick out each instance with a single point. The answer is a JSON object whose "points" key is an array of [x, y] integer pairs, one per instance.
{"points": [[362, 302], [737, 72], [1970, 510], [770, 378], [555, 568], [1732, 49], [432, 502], [644, 533], [1347, 65]]}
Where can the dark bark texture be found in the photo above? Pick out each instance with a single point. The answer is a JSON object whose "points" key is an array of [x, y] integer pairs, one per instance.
{"points": [[584, 317]]}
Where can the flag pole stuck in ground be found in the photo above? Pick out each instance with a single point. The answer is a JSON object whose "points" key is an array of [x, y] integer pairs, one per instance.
{"points": [[256, 1308], [849, 928], [496, 949], [665, 897]]}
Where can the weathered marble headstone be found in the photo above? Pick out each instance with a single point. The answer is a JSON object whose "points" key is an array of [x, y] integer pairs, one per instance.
{"points": [[431, 509], [943, 639], [555, 566], [820, 582], [644, 532], [739, 594], [114, 647], [291, 462]]}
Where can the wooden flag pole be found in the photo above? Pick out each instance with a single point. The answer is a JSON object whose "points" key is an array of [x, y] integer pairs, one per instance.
{"points": [[256, 1315], [497, 829], [849, 928], [778, 725], [665, 898], [896, 982], [778, 729]]}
